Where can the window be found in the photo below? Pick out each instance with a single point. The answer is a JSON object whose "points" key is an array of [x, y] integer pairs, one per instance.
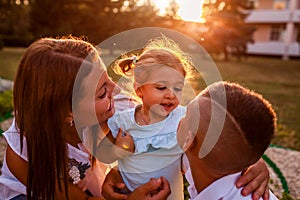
{"points": [[276, 31], [281, 4], [298, 33]]}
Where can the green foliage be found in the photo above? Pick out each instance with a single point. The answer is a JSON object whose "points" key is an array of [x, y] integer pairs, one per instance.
{"points": [[286, 196], [226, 30], [14, 23], [97, 20], [6, 106], [185, 186]]}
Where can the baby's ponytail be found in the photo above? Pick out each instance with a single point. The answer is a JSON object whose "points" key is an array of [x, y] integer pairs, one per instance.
{"points": [[124, 66]]}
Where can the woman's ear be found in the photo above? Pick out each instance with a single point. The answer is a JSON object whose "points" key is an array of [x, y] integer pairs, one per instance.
{"points": [[69, 119]]}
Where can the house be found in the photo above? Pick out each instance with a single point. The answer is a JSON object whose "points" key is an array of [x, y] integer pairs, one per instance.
{"points": [[277, 25]]}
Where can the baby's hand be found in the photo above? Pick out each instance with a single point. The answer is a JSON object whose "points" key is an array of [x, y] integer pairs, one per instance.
{"points": [[125, 141]]}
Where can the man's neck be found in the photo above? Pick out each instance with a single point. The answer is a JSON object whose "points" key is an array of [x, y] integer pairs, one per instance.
{"points": [[203, 177]]}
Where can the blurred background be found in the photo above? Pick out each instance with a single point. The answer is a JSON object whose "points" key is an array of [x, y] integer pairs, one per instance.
{"points": [[254, 42]]}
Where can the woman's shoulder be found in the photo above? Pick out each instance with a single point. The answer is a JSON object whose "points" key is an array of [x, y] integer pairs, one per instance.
{"points": [[12, 137]]}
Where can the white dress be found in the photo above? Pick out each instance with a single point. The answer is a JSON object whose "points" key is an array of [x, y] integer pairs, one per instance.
{"points": [[157, 152]]}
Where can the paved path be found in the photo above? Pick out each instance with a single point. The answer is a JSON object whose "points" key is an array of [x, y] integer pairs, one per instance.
{"points": [[287, 168]]}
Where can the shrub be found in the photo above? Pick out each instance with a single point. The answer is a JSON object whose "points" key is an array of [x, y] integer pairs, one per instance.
{"points": [[6, 106]]}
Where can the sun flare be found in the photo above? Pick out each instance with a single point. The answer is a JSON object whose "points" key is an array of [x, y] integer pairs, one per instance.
{"points": [[189, 10]]}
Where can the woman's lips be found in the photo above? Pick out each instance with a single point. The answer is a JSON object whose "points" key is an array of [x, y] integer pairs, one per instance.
{"points": [[111, 105]]}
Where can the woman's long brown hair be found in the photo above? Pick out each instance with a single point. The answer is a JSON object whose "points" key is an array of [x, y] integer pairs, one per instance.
{"points": [[42, 100]]}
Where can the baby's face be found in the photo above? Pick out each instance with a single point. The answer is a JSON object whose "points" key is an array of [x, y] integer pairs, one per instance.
{"points": [[162, 91]]}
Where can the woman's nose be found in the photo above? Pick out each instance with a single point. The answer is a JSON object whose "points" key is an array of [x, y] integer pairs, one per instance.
{"points": [[114, 89]]}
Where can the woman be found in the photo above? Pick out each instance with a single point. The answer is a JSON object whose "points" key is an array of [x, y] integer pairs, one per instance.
{"points": [[46, 160]]}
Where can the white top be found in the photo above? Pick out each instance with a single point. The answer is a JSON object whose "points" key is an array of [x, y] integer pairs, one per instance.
{"points": [[157, 152], [222, 189], [10, 186]]}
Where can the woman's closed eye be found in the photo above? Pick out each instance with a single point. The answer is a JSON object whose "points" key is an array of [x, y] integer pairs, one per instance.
{"points": [[161, 87], [102, 94]]}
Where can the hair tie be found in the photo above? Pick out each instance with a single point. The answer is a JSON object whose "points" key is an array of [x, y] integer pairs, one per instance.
{"points": [[134, 60]]}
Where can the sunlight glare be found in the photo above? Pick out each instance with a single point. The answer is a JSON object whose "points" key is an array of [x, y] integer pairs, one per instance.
{"points": [[191, 10], [161, 5]]}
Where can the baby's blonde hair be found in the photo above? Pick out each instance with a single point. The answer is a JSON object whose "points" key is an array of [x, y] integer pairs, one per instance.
{"points": [[161, 50]]}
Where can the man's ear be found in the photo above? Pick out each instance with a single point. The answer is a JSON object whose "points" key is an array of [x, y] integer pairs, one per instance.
{"points": [[189, 141]]}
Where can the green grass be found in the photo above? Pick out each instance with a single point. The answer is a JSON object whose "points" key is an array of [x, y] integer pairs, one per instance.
{"points": [[9, 59], [277, 80]]}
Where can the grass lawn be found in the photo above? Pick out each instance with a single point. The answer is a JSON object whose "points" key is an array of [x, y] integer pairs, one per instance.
{"points": [[277, 80], [9, 59]]}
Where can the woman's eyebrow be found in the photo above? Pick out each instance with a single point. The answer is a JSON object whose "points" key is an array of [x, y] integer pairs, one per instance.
{"points": [[100, 88]]}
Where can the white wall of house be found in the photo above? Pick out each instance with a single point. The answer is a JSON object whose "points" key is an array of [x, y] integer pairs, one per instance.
{"points": [[277, 27]]}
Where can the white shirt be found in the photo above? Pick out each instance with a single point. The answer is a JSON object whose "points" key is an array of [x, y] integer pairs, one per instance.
{"points": [[222, 189]]}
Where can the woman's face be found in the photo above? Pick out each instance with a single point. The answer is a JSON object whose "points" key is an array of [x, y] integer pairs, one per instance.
{"points": [[97, 104], [104, 103]]}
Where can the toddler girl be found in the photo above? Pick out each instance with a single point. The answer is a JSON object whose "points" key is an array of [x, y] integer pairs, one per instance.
{"points": [[159, 73]]}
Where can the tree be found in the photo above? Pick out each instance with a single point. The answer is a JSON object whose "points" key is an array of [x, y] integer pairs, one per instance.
{"points": [[14, 22], [226, 30], [97, 20]]}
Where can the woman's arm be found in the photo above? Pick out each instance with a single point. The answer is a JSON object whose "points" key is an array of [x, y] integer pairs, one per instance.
{"points": [[18, 168], [255, 180]]}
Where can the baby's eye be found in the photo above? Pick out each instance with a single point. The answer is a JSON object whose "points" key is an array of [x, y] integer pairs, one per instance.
{"points": [[177, 89]]}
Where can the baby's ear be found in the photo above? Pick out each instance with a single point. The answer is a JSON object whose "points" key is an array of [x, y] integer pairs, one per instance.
{"points": [[189, 141], [137, 90]]}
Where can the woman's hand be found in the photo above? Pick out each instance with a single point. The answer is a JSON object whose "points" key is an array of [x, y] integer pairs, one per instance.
{"points": [[255, 180], [112, 182], [155, 189]]}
